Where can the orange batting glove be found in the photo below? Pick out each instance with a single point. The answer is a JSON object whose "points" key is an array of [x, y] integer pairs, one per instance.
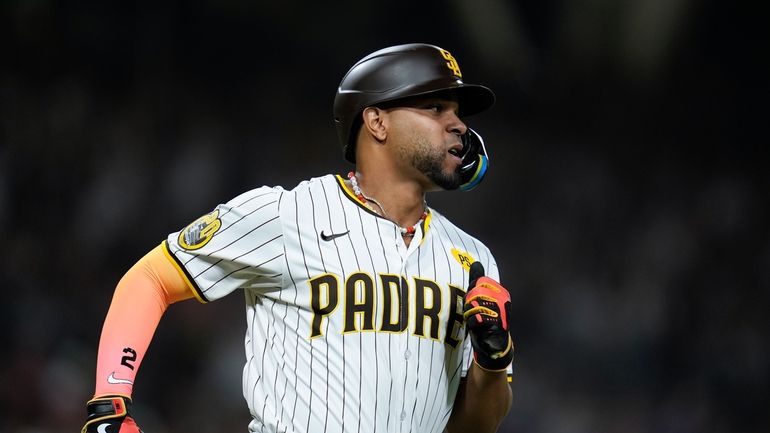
{"points": [[486, 309], [110, 414]]}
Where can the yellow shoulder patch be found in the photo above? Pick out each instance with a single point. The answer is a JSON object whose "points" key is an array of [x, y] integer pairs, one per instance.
{"points": [[200, 232], [464, 258]]}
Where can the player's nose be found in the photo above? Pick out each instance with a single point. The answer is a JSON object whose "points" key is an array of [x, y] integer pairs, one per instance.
{"points": [[456, 125]]}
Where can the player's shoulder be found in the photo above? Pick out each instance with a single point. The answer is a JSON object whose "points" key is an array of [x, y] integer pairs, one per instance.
{"points": [[446, 227], [456, 236], [263, 195], [256, 197], [315, 183]]}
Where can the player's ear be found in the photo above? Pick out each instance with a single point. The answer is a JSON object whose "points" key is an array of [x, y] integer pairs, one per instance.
{"points": [[375, 123]]}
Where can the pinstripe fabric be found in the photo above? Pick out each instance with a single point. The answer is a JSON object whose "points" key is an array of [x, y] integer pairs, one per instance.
{"points": [[358, 333]]}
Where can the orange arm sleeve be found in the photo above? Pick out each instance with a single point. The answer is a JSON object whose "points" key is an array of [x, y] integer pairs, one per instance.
{"points": [[141, 297]]}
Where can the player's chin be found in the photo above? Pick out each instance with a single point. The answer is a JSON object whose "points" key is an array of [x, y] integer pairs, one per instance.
{"points": [[447, 180]]}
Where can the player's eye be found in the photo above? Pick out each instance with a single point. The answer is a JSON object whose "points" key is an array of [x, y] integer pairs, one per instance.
{"points": [[435, 107]]}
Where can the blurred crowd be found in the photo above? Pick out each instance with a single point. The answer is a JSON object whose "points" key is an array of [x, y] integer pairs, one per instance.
{"points": [[626, 205]]}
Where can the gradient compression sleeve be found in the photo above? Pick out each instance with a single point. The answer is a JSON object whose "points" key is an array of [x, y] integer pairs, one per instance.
{"points": [[140, 300]]}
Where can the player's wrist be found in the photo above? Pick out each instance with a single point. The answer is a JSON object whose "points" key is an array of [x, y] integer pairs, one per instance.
{"points": [[127, 397], [108, 408]]}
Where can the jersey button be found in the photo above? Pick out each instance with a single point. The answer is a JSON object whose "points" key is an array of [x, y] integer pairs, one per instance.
{"points": [[403, 415], [407, 354]]}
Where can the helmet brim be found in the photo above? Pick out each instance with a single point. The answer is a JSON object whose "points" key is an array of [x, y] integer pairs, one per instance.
{"points": [[471, 98], [474, 99]]}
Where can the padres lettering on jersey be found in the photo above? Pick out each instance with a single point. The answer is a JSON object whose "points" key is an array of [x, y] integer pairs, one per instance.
{"points": [[358, 303], [348, 329]]}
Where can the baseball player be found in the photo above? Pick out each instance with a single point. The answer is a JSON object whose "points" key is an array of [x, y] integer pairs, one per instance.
{"points": [[359, 296]]}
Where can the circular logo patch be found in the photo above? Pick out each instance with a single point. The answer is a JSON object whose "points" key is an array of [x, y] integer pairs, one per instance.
{"points": [[200, 232]]}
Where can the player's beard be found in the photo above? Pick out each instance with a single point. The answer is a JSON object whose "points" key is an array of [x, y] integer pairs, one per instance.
{"points": [[430, 161]]}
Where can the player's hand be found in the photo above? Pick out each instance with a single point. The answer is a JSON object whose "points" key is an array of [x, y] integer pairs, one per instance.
{"points": [[110, 414], [486, 310]]}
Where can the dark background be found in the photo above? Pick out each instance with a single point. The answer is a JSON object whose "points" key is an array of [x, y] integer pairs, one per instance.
{"points": [[627, 202]]}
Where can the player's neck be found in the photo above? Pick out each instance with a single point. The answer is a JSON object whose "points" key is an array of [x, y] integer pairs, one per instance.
{"points": [[401, 201]]}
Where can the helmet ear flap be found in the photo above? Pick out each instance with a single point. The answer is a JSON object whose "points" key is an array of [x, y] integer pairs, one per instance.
{"points": [[475, 160]]}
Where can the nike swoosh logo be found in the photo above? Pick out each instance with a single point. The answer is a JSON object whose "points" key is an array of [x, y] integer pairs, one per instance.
{"points": [[102, 428], [115, 381], [329, 237]]}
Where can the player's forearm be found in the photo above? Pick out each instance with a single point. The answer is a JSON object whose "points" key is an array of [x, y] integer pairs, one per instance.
{"points": [[483, 400], [140, 300]]}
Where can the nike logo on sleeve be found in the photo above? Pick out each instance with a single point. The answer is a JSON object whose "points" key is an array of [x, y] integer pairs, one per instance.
{"points": [[115, 381]]}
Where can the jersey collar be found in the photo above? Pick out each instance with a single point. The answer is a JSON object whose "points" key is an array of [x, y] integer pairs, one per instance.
{"points": [[352, 197]]}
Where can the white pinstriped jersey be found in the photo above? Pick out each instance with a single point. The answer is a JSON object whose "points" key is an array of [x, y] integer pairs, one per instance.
{"points": [[349, 330]]}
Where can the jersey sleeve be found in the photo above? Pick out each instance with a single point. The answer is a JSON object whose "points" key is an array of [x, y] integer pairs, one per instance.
{"points": [[237, 245], [492, 272], [140, 300]]}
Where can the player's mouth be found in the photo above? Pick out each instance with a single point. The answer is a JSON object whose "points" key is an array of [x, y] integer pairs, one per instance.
{"points": [[455, 153]]}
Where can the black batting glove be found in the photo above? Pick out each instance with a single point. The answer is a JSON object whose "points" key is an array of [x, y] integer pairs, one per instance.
{"points": [[110, 414], [486, 311]]}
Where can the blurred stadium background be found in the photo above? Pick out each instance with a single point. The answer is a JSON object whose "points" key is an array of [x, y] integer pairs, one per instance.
{"points": [[627, 202]]}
